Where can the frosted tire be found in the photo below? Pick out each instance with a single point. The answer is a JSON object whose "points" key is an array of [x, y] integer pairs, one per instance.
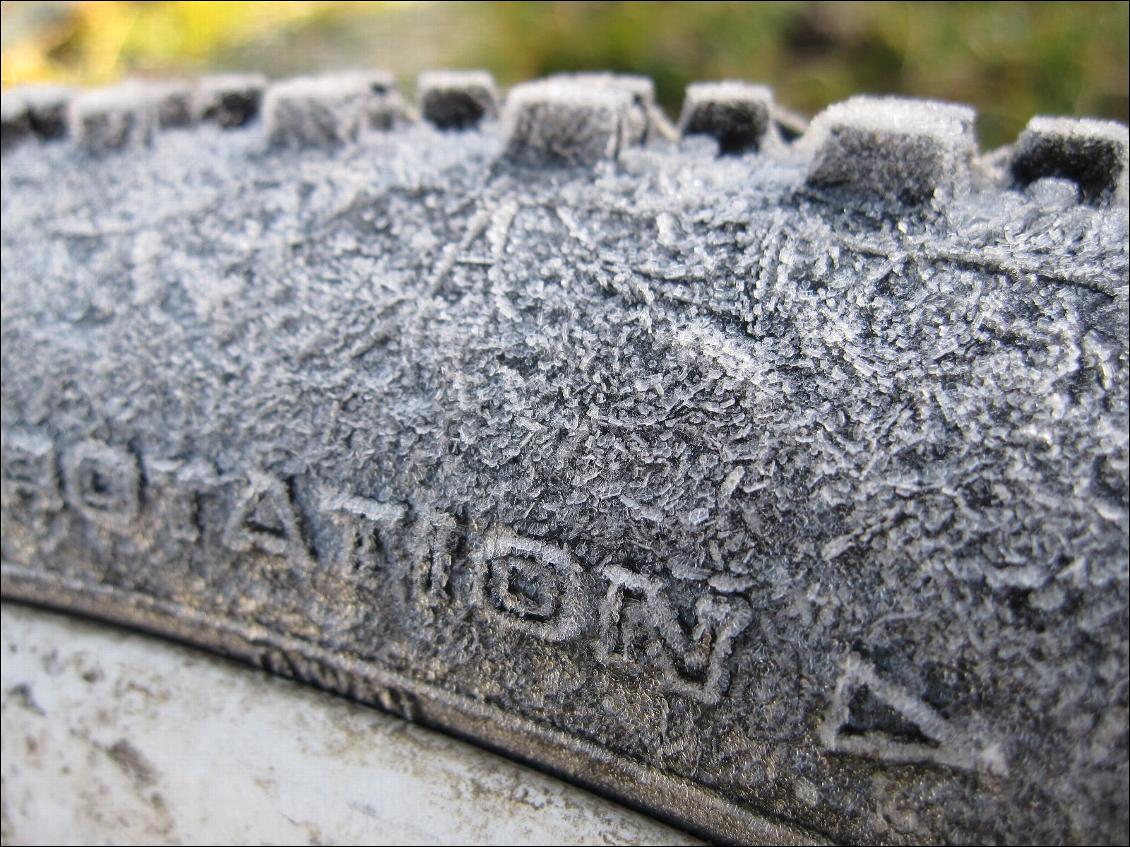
{"points": [[768, 477]]}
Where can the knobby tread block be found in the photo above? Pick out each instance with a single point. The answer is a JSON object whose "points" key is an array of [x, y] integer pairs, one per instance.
{"points": [[15, 124], [647, 122], [174, 102], [571, 121], [1091, 153], [46, 108], [109, 119], [229, 100], [736, 114], [783, 494], [330, 109], [457, 99], [909, 150]]}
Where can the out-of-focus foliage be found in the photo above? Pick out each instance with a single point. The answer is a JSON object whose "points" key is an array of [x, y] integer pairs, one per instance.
{"points": [[1011, 60]]}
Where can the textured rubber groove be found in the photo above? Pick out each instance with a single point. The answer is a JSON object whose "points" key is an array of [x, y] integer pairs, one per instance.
{"points": [[769, 476]]}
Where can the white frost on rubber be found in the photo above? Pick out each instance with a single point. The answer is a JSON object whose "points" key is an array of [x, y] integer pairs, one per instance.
{"points": [[894, 147], [570, 121], [733, 110], [329, 109], [1081, 140], [114, 118], [648, 119]]}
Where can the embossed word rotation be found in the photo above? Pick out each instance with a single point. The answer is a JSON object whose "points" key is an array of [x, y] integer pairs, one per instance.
{"points": [[514, 582]]}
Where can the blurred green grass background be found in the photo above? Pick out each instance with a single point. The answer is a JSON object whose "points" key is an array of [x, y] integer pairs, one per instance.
{"points": [[1011, 60]]}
